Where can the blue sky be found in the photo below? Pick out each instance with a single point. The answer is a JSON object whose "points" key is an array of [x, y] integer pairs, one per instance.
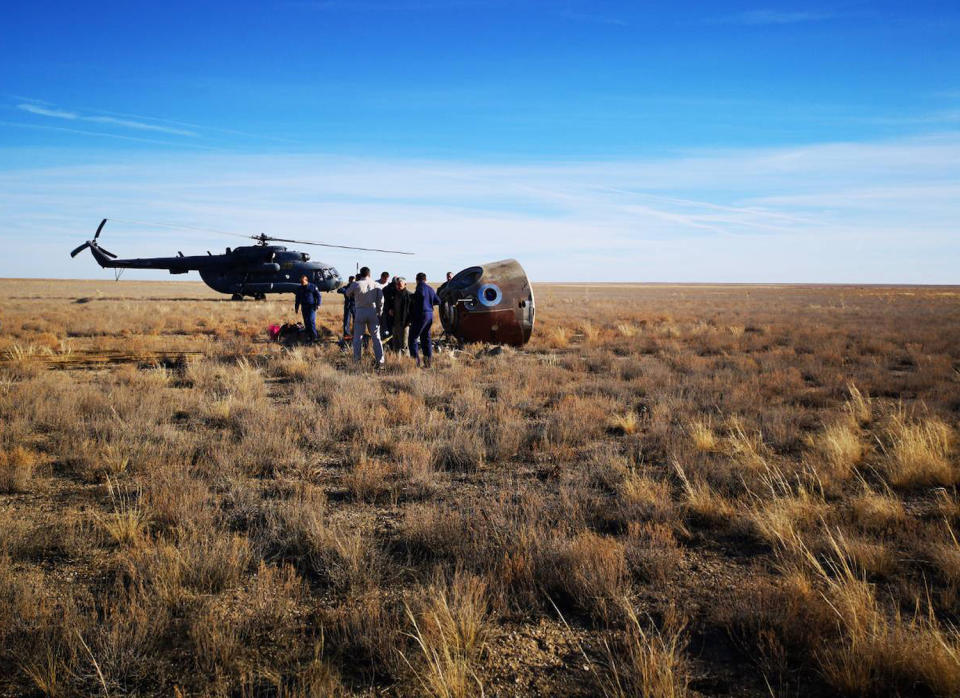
{"points": [[591, 140]]}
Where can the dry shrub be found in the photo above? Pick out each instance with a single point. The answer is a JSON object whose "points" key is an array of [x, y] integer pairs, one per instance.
{"points": [[371, 480], [558, 338], [128, 523], [651, 552], [919, 452], [703, 505], [841, 448], [746, 448], [644, 498], [341, 554], [876, 512], [460, 452], [367, 632], [212, 561], [575, 421], [880, 650], [859, 405], [649, 663], [703, 437], [450, 625], [589, 571], [17, 467], [626, 423]]}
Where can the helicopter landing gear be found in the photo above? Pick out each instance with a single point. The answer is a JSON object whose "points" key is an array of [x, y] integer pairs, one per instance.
{"points": [[236, 297], [259, 296]]}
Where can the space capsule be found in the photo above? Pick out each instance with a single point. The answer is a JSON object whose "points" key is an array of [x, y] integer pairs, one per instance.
{"points": [[488, 303]]}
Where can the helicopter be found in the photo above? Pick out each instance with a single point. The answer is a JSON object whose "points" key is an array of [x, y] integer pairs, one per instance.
{"points": [[249, 270]]}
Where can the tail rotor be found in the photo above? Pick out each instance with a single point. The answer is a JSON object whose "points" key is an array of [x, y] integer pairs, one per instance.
{"points": [[93, 243]]}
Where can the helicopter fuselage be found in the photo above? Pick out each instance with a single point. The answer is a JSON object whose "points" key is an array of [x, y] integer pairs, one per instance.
{"points": [[250, 270]]}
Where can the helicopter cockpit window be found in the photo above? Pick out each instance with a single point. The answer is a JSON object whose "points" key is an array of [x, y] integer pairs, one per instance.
{"points": [[304, 256], [465, 278]]}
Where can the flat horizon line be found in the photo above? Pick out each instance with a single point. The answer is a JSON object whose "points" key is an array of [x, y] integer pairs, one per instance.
{"points": [[771, 284]]}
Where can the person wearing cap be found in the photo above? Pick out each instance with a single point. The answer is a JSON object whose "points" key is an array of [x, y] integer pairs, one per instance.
{"points": [[421, 319], [367, 296]]}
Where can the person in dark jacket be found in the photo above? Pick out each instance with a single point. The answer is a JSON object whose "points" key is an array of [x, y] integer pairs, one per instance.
{"points": [[348, 307], [386, 319], [399, 313], [308, 299], [421, 319]]}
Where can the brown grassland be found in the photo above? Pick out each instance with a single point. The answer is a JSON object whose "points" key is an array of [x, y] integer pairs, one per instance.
{"points": [[672, 490]]}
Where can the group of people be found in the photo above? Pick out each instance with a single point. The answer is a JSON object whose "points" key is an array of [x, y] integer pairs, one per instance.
{"points": [[382, 309]]}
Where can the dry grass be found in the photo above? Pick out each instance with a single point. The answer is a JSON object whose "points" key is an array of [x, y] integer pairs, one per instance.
{"points": [[767, 473], [647, 662], [919, 452], [16, 469], [449, 624]]}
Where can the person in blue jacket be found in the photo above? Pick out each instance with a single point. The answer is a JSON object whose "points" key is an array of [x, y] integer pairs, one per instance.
{"points": [[308, 299], [421, 319]]}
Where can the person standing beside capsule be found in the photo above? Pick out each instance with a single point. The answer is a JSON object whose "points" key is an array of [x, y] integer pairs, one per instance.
{"points": [[421, 319]]}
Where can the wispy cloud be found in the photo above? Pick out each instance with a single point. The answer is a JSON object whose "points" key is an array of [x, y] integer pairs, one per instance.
{"points": [[857, 212], [592, 18], [56, 113], [46, 111], [102, 134], [761, 17]]}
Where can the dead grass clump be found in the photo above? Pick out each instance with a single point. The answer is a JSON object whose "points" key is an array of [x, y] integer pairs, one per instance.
{"points": [[703, 505], [876, 512], [342, 554], [368, 633], [558, 338], [626, 423], [859, 405], [646, 499], [17, 466], [213, 561], [783, 521], [746, 448], [919, 453], [648, 663], [880, 649], [575, 421], [841, 448], [652, 552], [128, 523], [371, 480], [449, 626], [703, 436], [463, 452], [589, 571]]}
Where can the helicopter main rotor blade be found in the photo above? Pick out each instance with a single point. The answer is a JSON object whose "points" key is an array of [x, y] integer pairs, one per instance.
{"points": [[80, 249], [327, 244]]}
